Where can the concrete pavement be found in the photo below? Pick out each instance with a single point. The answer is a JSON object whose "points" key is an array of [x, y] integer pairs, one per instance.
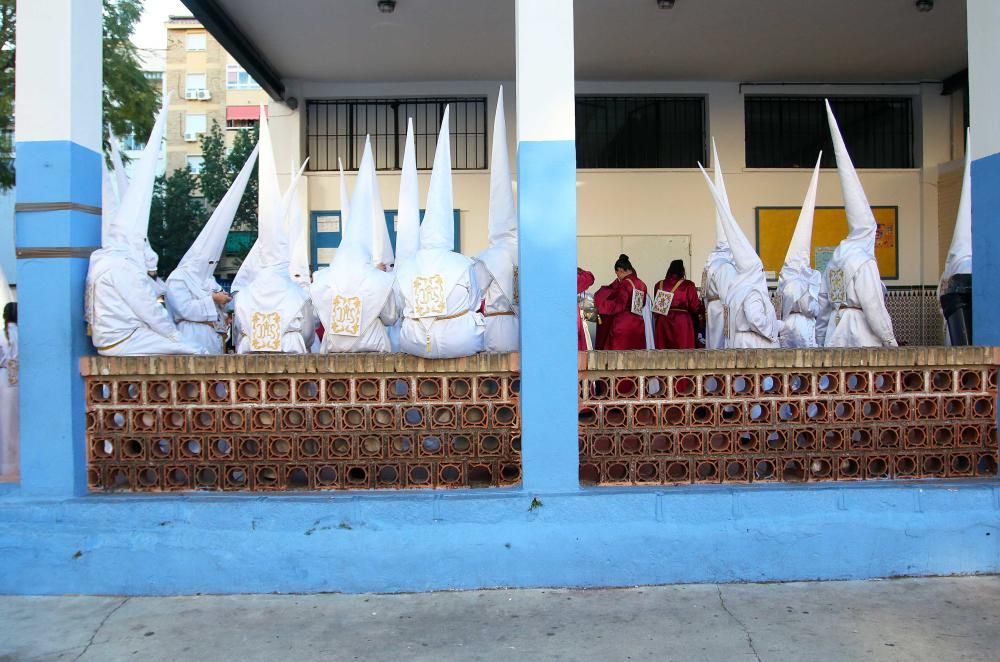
{"points": [[906, 619]]}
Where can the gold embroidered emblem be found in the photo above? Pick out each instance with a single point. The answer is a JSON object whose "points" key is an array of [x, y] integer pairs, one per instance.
{"points": [[638, 301], [345, 319], [517, 286], [265, 332], [12, 372], [838, 290], [662, 302], [428, 296]]}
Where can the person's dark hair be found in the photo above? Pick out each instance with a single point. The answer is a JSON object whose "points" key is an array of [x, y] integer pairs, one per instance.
{"points": [[623, 263], [676, 268], [9, 316]]}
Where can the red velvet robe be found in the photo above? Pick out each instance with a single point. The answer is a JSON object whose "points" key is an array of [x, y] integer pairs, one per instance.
{"points": [[676, 329], [622, 329], [584, 279]]}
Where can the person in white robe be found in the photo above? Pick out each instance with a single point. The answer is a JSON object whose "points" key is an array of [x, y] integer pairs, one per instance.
{"points": [[496, 267], [353, 296], [10, 428], [719, 271], [749, 317], [855, 314], [959, 259], [195, 298], [272, 312], [121, 304], [799, 285], [407, 221], [440, 298]]}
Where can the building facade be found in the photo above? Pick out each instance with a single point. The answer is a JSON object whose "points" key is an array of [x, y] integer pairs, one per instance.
{"points": [[207, 86]]}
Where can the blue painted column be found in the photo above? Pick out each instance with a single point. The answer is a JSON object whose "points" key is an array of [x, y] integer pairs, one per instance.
{"points": [[58, 217], [984, 109], [546, 199]]}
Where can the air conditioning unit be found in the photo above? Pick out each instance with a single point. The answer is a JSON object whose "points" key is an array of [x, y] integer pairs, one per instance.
{"points": [[190, 94], [204, 94], [190, 137]]}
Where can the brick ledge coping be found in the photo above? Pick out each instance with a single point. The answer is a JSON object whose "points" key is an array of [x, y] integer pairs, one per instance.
{"points": [[782, 359], [680, 360], [293, 364]]}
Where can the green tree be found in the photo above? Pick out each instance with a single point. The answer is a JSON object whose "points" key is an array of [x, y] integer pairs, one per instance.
{"points": [[175, 217], [130, 102], [214, 178], [246, 216]]}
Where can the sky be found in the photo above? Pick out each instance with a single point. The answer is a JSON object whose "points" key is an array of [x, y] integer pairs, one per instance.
{"points": [[150, 32]]}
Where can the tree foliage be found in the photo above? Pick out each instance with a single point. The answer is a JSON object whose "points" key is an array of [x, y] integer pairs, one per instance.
{"points": [[130, 102], [175, 217]]}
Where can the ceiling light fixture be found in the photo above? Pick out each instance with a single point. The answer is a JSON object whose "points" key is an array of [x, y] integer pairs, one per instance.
{"points": [[925, 5], [386, 6], [665, 4]]}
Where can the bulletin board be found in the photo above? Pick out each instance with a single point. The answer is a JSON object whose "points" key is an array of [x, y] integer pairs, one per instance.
{"points": [[775, 226]]}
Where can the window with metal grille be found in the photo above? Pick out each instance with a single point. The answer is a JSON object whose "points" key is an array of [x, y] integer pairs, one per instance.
{"points": [[338, 128], [789, 132], [640, 131]]}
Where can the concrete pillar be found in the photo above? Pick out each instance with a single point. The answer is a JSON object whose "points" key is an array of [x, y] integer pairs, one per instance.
{"points": [[984, 108], [58, 216], [546, 198]]}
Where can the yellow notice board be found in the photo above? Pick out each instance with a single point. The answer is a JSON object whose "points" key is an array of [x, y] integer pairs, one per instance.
{"points": [[776, 224]]}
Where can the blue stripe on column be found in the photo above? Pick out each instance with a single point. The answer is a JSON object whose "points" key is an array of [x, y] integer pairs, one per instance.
{"points": [[50, 312], [985, 249], [58, 171], [546, 176]]}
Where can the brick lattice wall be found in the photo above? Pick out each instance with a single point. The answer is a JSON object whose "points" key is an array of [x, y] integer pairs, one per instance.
{"points": [[787, 415], [265, 423]]}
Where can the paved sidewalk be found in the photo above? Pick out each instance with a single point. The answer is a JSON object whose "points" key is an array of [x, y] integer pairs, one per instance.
{"points": [[906, 619]]}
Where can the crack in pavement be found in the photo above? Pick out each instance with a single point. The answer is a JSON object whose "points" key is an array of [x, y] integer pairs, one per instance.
{"points": [[101, 625], [746, 630]]}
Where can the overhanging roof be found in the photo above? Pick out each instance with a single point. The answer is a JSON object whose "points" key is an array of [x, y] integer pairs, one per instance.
{"points": [[734, 40]]}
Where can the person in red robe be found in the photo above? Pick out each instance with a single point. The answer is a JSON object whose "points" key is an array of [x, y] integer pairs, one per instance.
{"points": [[677, 329], [622, 329], [584, 279]]}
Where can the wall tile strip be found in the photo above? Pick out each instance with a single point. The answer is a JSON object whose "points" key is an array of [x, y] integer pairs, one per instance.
{"points": [[791, 416], [166, 424]]}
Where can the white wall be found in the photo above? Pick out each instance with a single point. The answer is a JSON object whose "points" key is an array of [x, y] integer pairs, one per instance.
{"points": [[670, 201]]}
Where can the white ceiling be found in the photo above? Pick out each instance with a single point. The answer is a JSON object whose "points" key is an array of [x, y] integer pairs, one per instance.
{"points": [[733, 40]]}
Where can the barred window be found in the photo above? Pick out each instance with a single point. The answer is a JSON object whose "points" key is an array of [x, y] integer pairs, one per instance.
{"points": [[788, 132], [338, 128], [640, 131]]}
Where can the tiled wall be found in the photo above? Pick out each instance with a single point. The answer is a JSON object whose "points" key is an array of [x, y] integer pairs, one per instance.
{"points": [[267, 423], [795, 416]]}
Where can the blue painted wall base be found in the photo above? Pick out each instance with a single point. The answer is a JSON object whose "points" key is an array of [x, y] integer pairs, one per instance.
{"points": [[163, 545]]}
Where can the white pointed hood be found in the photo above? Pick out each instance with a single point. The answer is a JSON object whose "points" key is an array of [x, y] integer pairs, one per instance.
{"points": [[121, 177], [799, 254], [860, 220], [345, 199], [357, 238], [268, 203], [109, 201], [721, 243], [127, 231], [501, 256], [408, 212], [298, 228], [437, 232], [381, 243], [5, 295], [744, 256], [959, 260], [199, 262]]}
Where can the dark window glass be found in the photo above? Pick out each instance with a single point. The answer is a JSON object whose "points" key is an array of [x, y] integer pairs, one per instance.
{"points": [[640, 132], [789, 132], [338, 128]]}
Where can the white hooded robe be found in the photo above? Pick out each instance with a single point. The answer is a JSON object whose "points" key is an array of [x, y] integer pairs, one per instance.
{"points": [[719, 271], [799, 284]]}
